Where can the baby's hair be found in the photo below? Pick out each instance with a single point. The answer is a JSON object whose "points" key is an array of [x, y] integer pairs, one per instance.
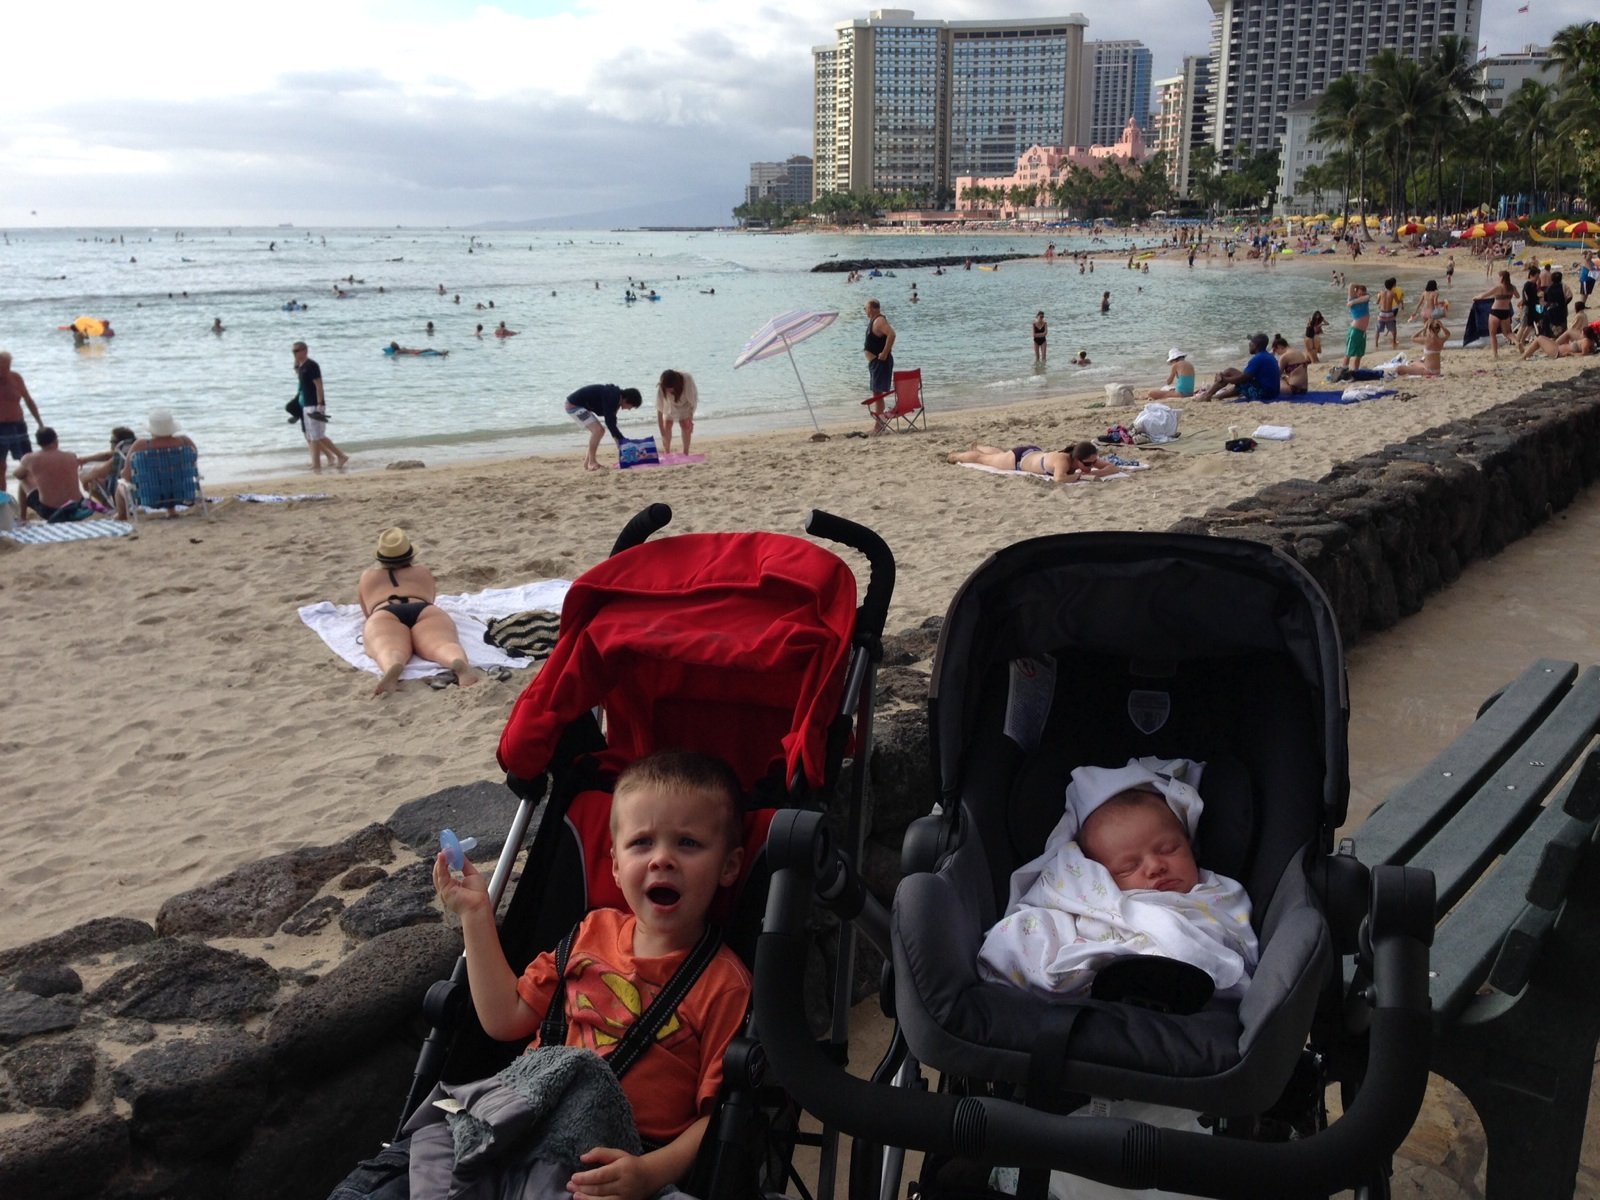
{"points": [[1140, 795], [685, 770]]}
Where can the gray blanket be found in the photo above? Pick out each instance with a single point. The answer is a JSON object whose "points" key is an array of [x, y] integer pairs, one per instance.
{"points": [[522, 1132]]}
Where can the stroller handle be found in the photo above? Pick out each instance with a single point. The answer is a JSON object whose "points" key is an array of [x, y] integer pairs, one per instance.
{"points": [[1123, 1153], [641, 525], [880, 563]]}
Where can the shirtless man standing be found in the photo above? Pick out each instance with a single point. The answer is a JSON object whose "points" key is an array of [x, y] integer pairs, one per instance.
{"points": [[13, 429]]}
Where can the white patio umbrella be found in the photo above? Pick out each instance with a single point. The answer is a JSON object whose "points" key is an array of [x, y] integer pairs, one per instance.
{"points": [[779, 334]]}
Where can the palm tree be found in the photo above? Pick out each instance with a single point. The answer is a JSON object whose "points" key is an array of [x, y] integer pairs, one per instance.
{"points": [[1575, 52], [1341, 118], [1409, 105], [1528, 114], [1452, 67]]}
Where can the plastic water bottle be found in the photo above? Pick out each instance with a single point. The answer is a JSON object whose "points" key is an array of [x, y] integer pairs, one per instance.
{"points": [[455, 849]]}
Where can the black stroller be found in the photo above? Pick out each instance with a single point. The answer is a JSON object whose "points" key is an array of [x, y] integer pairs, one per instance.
{"points": [[749, 646], [1091, 649]]}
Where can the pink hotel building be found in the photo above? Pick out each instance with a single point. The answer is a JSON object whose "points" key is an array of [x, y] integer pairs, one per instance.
{"points": [[1045, 165]]}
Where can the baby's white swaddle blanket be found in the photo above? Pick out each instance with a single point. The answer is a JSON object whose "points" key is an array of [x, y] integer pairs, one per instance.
{"points": [[1066, 917]]}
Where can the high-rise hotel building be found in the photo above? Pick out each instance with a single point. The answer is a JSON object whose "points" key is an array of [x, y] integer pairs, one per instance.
{"points": [[902, 103], [1267, 55], [1180, 121], [1121, 88]]}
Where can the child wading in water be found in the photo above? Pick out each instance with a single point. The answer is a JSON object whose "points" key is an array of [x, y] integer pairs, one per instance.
{"points": [[676, 837]]}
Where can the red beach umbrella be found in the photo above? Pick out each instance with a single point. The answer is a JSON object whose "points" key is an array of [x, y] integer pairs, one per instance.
{"points": [[1583, 228], [1409, 228], [1554, 225], [1477, 231], [1509, 225]]}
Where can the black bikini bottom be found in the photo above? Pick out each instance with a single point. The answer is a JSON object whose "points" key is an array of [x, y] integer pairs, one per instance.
{"points": [[407, 611]]}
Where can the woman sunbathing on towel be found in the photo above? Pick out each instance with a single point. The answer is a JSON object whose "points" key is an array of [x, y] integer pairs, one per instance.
{"points": [[1069, 465], [397, 597]]}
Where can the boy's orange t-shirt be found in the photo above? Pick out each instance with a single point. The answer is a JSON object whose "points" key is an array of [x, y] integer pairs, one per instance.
{"points": [[675, 1082]]}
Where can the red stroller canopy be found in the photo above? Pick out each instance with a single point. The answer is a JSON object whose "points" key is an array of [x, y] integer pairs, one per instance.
{"points": [[734, 644]]}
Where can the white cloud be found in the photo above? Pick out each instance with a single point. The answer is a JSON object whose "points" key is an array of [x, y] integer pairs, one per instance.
{"points": [[187, 111]]}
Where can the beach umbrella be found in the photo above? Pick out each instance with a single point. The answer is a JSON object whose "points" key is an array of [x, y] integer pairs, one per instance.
{"points": [[1477, 231], [1583, 228], [777, 337], [1409, 228], [1509, 225], [1554, 225]]}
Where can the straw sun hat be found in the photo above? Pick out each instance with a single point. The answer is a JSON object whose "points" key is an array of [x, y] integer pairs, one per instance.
{"points": [[394, 548]]}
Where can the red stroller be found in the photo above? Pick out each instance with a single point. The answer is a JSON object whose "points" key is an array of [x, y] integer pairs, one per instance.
{"points": [[749, 646]]}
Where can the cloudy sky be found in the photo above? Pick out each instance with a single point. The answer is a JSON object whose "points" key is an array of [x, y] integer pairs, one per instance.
{"points": [[427, 112]]}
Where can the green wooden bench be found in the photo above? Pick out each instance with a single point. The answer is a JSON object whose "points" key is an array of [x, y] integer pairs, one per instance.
{"points": [[1508, 828]]}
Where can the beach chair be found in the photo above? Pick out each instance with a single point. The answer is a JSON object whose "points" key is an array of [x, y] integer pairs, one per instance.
{"points": [[165, 477], [907, 414]]}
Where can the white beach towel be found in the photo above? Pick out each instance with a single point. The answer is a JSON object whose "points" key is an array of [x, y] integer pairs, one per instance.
{"points": [[1122, 474], [1274, 433], [268, 498], [1066, 916], [36, 533], [339, 625]]}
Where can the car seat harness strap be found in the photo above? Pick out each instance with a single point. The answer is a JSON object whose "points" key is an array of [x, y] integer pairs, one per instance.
{"points": [[640, 1035]]}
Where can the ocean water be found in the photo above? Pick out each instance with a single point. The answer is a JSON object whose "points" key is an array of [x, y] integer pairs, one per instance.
{"points": [[969, 332]]}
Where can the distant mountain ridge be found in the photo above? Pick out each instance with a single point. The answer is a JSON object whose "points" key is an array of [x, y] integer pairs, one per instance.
{"points": [[708, 208]]}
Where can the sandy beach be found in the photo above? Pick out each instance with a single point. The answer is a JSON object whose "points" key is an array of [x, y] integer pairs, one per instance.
{"points": [[176, 719]]}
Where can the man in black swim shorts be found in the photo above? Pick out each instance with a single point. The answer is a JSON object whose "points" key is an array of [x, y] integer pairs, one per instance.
{"points": [[879, 349], [13, 429]]}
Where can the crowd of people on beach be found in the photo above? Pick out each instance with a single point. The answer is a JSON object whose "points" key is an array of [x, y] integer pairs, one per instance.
{"points": [[58, 486]]}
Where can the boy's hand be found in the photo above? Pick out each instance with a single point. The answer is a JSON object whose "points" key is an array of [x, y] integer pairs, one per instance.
{"points": [[614, 1173], [469, 892]]}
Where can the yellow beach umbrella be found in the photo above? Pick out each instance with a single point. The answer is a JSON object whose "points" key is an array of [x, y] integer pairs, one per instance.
{"points": [[1409, 228], [1583, 229]]}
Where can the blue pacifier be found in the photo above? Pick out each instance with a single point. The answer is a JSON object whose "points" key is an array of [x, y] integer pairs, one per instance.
{"points": [[455, 849]]}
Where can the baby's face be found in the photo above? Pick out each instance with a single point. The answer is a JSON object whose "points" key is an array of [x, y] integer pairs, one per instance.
{"points": [[1144, 847]]}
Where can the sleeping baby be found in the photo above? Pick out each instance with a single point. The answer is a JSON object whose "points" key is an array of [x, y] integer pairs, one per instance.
{"points": [[1118, 877]]}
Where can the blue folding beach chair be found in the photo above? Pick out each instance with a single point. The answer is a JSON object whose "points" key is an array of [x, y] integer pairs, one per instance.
{"points": [[165, 477]]}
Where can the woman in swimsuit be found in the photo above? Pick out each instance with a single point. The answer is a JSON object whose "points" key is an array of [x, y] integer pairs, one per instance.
{"points": [[1314, 328], [1432, 336], [1432, 304], [397, 597], [1068, 465], [1501, 297], [1040, 331]]}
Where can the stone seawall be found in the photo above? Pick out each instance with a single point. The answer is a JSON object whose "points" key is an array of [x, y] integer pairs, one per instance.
{"points": [[173, 1060]]}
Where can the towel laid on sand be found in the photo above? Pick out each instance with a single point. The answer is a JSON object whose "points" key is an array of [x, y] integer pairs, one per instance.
{"points": [[36, 533], [671, 460], [269, 498], [1121, 474], [1347, 396], [339, 625], [1066, 917]]}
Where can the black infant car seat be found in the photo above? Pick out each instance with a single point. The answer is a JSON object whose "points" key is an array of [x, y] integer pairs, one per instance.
{"points": [[1091, 649]]}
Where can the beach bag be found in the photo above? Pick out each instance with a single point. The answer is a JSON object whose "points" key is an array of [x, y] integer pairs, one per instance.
{"points": [[1120, 393], [1157, 420], [638, 452]]}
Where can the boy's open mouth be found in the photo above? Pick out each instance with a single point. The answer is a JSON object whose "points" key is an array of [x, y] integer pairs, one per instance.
{"points": [[663, 895]]}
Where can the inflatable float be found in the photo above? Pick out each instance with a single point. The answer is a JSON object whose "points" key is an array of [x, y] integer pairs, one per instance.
{"points": [[90, 327], [409, 352]]}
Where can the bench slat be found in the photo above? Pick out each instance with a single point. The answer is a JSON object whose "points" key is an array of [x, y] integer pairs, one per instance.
{"points": [[1499, 811], [1417, 809], [1472, 942]]}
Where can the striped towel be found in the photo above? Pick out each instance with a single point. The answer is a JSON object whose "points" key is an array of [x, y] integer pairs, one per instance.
{"points": [[38, 532], [528, 634]]}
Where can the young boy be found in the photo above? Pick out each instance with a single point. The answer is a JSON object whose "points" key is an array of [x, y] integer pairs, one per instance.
{"points": [[676, 838], [1355, 343], [1388, 315]]}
